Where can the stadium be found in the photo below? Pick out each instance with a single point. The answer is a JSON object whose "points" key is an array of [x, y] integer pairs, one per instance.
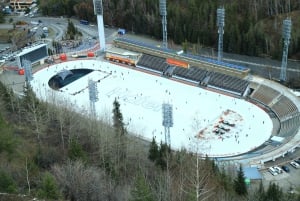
{"points": [[218, 109]]}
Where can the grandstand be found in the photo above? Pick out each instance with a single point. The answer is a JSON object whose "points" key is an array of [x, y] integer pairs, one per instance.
{"points": [[192, 60], [265, 94], [196, 75], [283, 108]]}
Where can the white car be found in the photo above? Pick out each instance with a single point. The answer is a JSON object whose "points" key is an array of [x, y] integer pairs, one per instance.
{"points": [[278, 169], [272, 171], [294, 164]]}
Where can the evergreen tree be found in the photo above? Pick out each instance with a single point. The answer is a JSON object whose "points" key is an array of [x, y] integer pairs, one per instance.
{"points": [[118, 123], [49, 187], [153, 151], [164, 153], [141, 190], [7, 184], [8, 142], [274, 193], [76, 151], [239, 183], [260, 193], [121, 144]]}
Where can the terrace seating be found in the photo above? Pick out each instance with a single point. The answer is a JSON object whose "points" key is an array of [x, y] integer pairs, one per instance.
{"points": [[152, 62], [290, 126], [195, 74], [284, 108], [265, 94], [228, 83]]}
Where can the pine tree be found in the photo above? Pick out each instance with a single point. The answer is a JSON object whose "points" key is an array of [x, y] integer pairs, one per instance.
{"points": [[274, 193], [76, 151], [141, 190], [164, 152], [153, 151], [239, 183], [49, 187], [118, 123], [121, 143], [7, 183], [260, 192]]}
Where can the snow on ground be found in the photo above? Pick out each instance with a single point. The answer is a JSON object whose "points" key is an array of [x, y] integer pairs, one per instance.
{"points": [[197, 112]]}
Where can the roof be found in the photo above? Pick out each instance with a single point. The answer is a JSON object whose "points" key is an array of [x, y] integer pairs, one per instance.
{"points": [[252, 173], [30, 49], [184, 55]]}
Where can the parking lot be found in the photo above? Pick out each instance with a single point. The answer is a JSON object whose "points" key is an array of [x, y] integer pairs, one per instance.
{"points": [[286, 181]]}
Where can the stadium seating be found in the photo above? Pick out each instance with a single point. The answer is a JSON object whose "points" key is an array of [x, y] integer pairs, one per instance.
{"points": [[284, 108], [155, 63], [217, 80], [289, 126], [265, 94], [228, 83]]}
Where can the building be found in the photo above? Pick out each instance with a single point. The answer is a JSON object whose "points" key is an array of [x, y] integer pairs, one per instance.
{"points": [[21, 5]]}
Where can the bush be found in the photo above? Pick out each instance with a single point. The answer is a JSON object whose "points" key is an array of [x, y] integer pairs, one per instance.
{"points": [[49, 187], [7, 183]]}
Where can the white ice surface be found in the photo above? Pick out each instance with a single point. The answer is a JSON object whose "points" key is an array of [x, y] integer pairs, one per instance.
{"points": [[141, 96]]}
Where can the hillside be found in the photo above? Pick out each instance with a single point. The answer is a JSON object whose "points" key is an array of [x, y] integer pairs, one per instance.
{"points": [[251, 27]]}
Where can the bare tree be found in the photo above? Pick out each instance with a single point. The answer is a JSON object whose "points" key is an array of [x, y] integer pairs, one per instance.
{"points": [[79, 182]]}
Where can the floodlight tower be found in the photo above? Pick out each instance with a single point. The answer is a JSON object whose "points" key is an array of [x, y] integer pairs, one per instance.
{"points": [[286, 34], [163, 13], [167, 110], [98, 10], [220, 24], [28, 70], [93, 96]]}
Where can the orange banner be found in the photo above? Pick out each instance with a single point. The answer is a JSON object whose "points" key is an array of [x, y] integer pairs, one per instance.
{"points": [[175, 62]]}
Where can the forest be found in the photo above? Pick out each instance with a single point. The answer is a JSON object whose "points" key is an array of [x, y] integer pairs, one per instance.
{"points": [[252, 27]]}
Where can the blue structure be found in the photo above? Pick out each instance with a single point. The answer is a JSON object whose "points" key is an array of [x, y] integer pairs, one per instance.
{"points": [[121, 31], [252, 173]]}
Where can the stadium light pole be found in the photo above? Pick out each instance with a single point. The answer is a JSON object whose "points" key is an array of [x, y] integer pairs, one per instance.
{"points": [[93, 96], [220, 24], [98, 10], [286, 34], [163, 13], [167, 113]]}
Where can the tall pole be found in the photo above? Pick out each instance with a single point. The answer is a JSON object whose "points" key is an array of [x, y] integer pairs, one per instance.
{"points": [[163, 13], [93, 96], [286, 34], [220, 24], [167, 112], [98, 10]]}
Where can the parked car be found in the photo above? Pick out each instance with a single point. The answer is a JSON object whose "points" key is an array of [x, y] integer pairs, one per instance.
{"points": [[285, 168], [278, 169], [295, 165], [272, 171]]}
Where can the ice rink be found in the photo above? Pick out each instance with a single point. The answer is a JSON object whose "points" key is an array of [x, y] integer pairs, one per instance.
{"points": [[198, 114]]}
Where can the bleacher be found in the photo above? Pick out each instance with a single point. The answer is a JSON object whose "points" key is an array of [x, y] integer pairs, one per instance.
{"points": [[192, 73], [155, 63], [289, 126], [228, 83], [284, 108], [265, 94], [217, 80]]}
